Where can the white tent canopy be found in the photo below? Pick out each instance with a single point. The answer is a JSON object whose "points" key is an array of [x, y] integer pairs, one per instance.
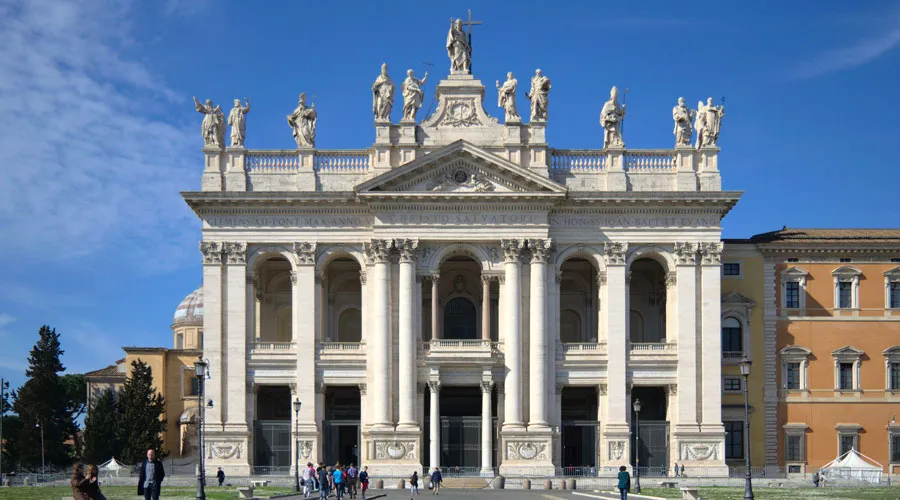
{"points": [[853, 465], [112, 465]]}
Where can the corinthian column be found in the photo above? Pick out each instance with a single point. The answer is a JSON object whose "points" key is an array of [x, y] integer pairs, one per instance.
{"points": [[434, 427], [512, 337], [616, 432], [407, 333], [212, 325], [303, 324], [486, 428], [686, 374], [235, 390], [538, 403], [711, 335], [435, 308], [377, 251], [485, 308]]}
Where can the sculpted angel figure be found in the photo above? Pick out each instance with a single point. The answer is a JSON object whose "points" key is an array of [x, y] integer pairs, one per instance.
{"points": [[412, 95], [708, 123], [383, 96], [237, 118], [683, 117], [611, 117], [458, 49], [540, 96], [506, 97], [303, 123], [213, 126]]}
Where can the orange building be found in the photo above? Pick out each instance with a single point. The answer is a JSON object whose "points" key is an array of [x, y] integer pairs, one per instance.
{"points": [[832, 319]]}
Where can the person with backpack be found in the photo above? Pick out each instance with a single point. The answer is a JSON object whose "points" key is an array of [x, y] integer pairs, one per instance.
{"points": [[436, 479], [352, 477], [414, 483], [307, 479], [338, 475], [323, 482], [624, 484]]}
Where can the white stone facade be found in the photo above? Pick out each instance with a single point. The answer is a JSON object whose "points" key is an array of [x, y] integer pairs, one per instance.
{"points": [[463, 206]]}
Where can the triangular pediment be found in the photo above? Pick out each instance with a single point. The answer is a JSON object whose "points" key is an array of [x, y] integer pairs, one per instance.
{"points": [[460, 168], [734, 298]]}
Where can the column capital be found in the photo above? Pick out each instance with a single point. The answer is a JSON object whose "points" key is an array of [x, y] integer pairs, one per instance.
{"points": [[601, 389], [235, 252], [211, 251], [614, 252], [672, 389], [540, 250], [293, 277], [671, 279], [686, 253], [486, 386], [487, 278], [711, 253], [435, 278], [362, 278], [305, 253], [377, 251], [434, 386], [558, 277], [362, 389], [601, 278], [408, 249], [512, 249]]}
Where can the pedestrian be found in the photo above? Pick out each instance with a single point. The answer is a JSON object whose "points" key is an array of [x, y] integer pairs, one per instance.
{"points": [[414, 483], [79, 483], [624, 482], [364, 480], [436, 479], [93, 486], [682, 471], [352, 478], [676, 469], [822, 479], [816, 479], [323, 482], [307, 479], [338, 476], [220, 475], [151, 478]]}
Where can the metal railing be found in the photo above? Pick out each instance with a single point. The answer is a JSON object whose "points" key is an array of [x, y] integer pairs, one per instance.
{"points": [[732, 354], [577, 160], [272, 347]]}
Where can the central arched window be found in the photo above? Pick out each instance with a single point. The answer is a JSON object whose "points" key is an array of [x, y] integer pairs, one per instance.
{"points": [[460, 319], [732, 341], [350, 326]]}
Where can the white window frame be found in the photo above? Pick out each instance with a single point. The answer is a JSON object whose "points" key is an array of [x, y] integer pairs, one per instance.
{"points": [[186, 374], [735, 305], [847, 354], [796, 429], [794, 274], [739, 275], [844, 430], [740, 379], [891, 357], [795, 354], [846, 274], [893, 430], [890, 276]]}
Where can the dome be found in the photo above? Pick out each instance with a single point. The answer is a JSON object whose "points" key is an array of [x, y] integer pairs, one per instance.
{"points": [[190, 311]]}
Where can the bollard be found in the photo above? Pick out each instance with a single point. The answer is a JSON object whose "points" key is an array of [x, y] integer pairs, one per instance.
{"points": [[25, 482], [401, 484], [562, 484], [570, 484], [548, 484], [379, 484], [526, 484], [498, 483]]}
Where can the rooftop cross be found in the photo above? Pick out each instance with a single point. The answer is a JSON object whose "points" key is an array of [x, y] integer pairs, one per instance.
{"points": [[469, 23]]}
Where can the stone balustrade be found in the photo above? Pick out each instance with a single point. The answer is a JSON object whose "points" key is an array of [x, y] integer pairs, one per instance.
{"points": [[272, 347], [272, 162], [341, 161], [644, 347], [584, 160], [342, 346], [651, 160], [580, 351]]}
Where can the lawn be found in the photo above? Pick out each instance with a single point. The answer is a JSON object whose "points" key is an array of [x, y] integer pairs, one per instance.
{"points": [[892, 493], [130, 493]]}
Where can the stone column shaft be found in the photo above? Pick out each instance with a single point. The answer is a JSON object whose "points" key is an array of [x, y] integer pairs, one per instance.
{"points": [[380, 346], [234, 397], [435, 308], [538, 388], [486, 308], [711, 336], [434, 427], [407, 334], [486, 427], [686, 283], [212, 326], [512, 338], [303, 322]]}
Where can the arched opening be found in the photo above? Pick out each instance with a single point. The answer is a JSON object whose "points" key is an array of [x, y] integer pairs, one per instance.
{"points": [[350, 326], [460, 319], [343, 320], [732, 338], [578, 301], [273, 308], [647, 294]]}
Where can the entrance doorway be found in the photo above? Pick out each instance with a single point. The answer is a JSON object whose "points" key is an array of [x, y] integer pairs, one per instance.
{"points": [[653, 435], [341, 425], [461, 429], [272, 429], [580, 430]]}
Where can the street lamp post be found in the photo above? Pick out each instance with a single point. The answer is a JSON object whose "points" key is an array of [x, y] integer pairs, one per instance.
{"points": [[745, 371], [200, 371], [637, 445], [4, 385], [41, 425], [297, 405]]}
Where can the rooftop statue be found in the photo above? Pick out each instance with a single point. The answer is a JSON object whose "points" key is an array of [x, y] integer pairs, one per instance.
{"points": [[506, 98], [237, 118], [708, 123], [459, 50], [540, 96], [383, 96], [303, 123], [213, 126], [412, 95], [611, 117], [683, 117]]}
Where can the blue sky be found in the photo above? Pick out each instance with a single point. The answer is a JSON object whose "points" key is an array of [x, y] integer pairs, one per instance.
{"points": [[98, 133]]}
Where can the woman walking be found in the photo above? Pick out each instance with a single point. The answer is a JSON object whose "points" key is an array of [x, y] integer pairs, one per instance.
{"points": [[624, 482], [79, 483], [414, 484]]}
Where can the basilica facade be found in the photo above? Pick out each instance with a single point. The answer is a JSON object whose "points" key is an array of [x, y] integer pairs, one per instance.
{"points": [[462, 294]]}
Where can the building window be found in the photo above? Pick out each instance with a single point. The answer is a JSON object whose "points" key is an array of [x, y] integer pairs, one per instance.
{"points": [[892, 288], [895, 448], [895, 259], [845, 259], [892, 368], [894, 376], [848, 438], [846, 376], [793, 259], [179, 341], [793, 448], [846, 444], [732, 338], [793, 289], [845, 297], [794, 363], [792, 295], [894, 299], [191, 384], [732, 384], [734, 439], [731, 269], [792, 371]]}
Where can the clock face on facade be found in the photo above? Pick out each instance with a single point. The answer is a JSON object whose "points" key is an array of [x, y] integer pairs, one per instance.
{"points": [[460, 176]]}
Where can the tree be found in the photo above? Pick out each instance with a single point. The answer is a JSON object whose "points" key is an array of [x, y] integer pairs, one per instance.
{"points": [[142, 415], [76, 403], [41, 404], [101, 440]]}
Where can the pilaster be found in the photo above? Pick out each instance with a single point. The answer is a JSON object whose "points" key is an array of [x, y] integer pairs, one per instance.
{"points": [[616, 179], [212, 172], [512, 338], [212, 326], [303, 323], [236, 175], [538, 342], [686, 176], [708, 171], [377, 251], [616, 431], [408, 249], [234, 399], [687, 366]]}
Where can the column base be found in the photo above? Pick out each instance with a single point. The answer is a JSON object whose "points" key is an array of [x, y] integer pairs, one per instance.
{"points": [[701, 453], [615, 447], [526, 453], [489, 472], [229, 450], [392, 453]]}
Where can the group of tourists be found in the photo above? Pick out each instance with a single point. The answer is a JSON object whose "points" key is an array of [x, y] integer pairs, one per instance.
{"points": [[334, 481]]}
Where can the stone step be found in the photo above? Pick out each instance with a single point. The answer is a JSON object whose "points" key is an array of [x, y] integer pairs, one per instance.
{"points": [[463, 483]]}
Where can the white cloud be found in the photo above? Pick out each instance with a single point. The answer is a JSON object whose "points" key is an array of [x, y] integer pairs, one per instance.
{"points": [[90, 163], [5, 319], [859, 53]]}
